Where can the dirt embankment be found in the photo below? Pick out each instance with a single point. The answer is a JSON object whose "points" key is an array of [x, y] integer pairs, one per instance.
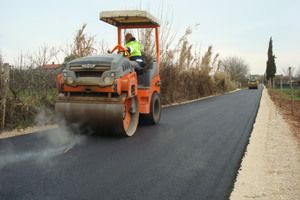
{"points": [[289, 109], [270, 168]]}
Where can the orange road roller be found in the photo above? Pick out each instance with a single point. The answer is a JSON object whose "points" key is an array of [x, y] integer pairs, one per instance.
{"points": [[105, 93]]}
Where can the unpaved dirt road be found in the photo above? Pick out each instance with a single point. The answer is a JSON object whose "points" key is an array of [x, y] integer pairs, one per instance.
{"points": [[194, 153], [271, 168]]}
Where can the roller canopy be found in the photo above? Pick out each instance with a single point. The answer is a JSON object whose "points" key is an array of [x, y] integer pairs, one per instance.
{"points": [[123, 18]]}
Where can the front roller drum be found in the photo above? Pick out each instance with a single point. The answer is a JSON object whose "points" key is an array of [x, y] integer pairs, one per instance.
{"points": [[102, 118]]}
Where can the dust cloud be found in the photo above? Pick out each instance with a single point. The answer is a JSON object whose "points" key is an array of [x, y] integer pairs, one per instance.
{"points": [[53, 143]]}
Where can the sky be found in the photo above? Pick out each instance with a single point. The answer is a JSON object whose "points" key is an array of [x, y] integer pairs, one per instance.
{"points": [[233, 27]]}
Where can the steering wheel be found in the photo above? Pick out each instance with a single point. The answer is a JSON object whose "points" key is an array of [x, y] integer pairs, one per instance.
{"points": [[120, 48]]}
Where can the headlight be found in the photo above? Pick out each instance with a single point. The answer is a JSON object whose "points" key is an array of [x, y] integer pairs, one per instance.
{"points": [[108, 80], [70, 81], [64, 73]]}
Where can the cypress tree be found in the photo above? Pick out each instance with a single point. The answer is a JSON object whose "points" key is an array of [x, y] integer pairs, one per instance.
{"points": [[271, 66]]}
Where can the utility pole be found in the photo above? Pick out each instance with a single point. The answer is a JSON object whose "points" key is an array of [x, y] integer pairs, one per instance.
{"points": [[281, 77], [290, 77], [4, 87], [292, 91]]}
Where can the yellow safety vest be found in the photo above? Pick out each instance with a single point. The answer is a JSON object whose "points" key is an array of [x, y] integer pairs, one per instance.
{"points": [[135, 48]]}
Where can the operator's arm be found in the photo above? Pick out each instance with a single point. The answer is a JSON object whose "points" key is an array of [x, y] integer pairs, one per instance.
{"points": [[129, 47]]}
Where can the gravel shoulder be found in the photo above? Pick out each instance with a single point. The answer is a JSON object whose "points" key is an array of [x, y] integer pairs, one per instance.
{"points": [[25, 131], [270, 168]]}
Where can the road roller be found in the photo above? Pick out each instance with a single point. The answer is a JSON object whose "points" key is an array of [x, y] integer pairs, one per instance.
{"points": [[253, 82], [104, 93]]}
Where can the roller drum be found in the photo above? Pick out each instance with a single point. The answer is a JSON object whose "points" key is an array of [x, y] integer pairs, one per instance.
{"points": [[100, 117]]}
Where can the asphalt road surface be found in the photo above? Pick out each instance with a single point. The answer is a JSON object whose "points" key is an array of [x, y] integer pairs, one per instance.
{"points": [[194, 153]]}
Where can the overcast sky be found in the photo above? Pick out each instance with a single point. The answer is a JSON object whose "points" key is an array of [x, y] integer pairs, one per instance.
{"points": [[232, 27]]}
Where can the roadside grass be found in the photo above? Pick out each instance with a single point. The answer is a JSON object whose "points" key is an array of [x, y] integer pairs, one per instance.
{"points": [[288, 93]]}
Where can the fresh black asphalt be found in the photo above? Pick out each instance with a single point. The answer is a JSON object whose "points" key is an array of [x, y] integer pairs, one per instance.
{"points": [[194, 153]]}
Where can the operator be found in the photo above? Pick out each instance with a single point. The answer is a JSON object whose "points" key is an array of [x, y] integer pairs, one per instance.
{"points": [[135, 49]]}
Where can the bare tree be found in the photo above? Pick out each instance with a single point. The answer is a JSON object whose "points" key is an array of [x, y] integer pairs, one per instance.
{"points": [[83, 45], [4, 83], [44, 55], [237, 68], [1, 58], [102, 47], [146, 37], [166, 34]]}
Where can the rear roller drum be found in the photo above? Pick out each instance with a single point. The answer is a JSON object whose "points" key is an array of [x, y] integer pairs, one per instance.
{"points": [[155, 111]]}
